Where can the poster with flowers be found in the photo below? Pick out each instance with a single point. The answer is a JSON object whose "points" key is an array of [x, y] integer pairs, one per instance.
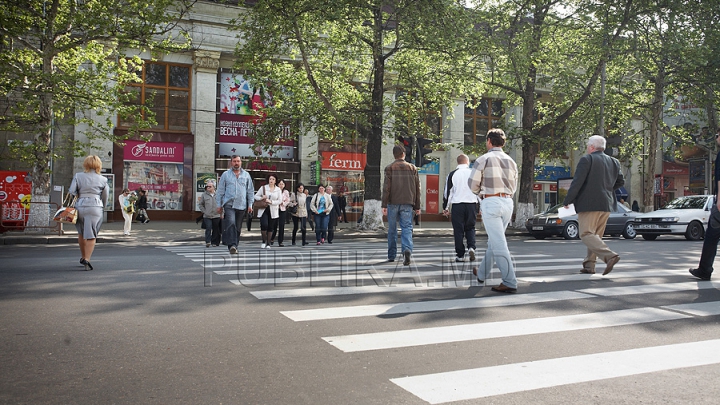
{"points": [[241, 107]]}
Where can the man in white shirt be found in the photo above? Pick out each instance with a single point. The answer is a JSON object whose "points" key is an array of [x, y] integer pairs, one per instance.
{"points": [[461, 204]]}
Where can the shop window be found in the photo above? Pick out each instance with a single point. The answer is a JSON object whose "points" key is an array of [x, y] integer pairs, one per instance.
{"points": [[481, 116], [165, 90]]}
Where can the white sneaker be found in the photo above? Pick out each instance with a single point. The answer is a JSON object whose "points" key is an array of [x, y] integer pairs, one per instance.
{"points": [[471, 252], [263, 245], [267, 247]]}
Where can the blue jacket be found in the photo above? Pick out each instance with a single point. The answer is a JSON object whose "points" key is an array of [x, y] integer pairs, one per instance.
{"points": [[237, 191]]}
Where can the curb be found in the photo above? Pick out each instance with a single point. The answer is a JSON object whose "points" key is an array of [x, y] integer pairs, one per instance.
{"points": [[72, 238]]}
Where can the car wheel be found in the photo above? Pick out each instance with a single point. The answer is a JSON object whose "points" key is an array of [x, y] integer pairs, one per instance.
{"points": [[571, 231], [694, 231], [629, 231], [649, 237]]}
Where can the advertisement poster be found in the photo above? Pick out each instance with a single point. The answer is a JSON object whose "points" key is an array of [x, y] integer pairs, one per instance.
{"points": [[432, 194], [201, 179], [157, 167], [563, 185], [110, 206], [15, 186], [344, 171], [240, 113]]}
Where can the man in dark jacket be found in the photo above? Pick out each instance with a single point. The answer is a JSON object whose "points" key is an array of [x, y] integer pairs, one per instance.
{"points": [[400, 197], [712, 234], [334, 215], [592, 190]]}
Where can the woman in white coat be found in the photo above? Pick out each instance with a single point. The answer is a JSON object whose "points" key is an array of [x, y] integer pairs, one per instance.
{"points": [[272, 194]]}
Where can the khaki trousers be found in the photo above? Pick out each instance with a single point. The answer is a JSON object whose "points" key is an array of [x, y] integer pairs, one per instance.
{"points": [[592, 227]]}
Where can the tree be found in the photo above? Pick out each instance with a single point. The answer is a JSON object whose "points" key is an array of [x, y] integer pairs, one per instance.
{"points": [[669, 52], [555, 50], [332, 65], [63, 61]]}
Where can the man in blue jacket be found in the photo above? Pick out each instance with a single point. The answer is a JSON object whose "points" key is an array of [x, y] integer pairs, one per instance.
{"points": [[592, 190], [235, 195]]}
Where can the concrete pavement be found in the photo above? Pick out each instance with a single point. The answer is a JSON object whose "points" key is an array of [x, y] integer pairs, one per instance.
{"points": [[186, 231]]}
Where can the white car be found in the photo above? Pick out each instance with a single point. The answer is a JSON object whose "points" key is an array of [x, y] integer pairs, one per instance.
{"points": [[686, 215]]}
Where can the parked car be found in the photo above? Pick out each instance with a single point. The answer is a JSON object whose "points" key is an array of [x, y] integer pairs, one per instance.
{"points": [[548, 223], [686, 215]]}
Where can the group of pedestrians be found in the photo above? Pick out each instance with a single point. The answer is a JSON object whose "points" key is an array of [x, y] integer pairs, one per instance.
{"points": [[487, 188], [236, 196]]}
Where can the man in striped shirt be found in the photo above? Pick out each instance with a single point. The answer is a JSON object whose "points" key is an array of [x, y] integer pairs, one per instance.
{"points": [[494, 178]]}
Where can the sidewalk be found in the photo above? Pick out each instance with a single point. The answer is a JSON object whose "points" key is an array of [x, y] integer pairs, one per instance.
{"points": [[188, 231]]}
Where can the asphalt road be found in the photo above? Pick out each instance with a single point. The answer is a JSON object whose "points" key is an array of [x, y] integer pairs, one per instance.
{"points": [[181, 324]]}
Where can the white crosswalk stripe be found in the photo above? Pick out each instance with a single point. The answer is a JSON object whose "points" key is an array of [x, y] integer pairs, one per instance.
{"points": [[490, 381], [392, 290]]}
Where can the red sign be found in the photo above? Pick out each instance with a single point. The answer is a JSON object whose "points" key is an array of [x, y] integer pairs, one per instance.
{"points": [[236, 128], [167, 152], [343, 161], [537, 187], [172, 187], [553, 187], [432, 194]]}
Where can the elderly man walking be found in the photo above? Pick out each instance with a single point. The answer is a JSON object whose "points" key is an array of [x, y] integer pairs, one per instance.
{"points": [[494, 178], [592, 190], [400, 197]]}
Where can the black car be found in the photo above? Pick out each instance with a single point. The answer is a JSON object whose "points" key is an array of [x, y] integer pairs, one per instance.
{"points": [[548, 223]]}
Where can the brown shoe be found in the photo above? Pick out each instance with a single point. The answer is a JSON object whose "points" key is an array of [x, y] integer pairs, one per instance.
{"points": [[610, 263], [587, 271], [475, 271], [504, 289]]}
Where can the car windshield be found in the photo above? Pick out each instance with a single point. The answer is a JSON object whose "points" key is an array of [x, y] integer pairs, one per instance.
{"points": [[686, 203], [553, 209]]}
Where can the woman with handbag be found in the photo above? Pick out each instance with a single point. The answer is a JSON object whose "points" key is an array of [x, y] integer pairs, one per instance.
{"points": [[127, 208], [280, 223], [298, 209], [91, 190], [321, 205], [267, 206]]}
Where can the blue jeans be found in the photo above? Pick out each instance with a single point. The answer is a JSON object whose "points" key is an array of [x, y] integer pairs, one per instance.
{"points": [[321, 226], [232, 225], [212, 230], [403, 214], [496, 214]]}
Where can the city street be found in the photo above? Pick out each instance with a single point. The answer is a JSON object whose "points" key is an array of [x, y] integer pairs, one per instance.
{"points": [[176, 323]]}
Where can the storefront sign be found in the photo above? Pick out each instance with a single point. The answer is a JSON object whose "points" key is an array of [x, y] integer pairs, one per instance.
{"points": [[432, 194], [430, 168], [676, 169], [138, 151], [343, 161], [551, 173], [314, 173]]}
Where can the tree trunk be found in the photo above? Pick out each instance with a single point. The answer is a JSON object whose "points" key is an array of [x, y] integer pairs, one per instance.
{"points": [[525, 207], [372, 214], [40, 219], [654, 140]]}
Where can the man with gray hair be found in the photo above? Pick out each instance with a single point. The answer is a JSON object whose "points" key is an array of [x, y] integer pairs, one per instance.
{"points": [[592, 190]]}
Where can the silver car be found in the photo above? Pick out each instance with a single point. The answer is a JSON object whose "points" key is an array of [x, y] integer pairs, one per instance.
{"points": [[548, 223]]}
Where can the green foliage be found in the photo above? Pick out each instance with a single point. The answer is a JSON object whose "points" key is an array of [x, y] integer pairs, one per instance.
{"points": [[63, 61]]}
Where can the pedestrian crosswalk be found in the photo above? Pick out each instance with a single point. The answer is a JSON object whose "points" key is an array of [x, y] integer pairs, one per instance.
{"points": [[386, 290]]}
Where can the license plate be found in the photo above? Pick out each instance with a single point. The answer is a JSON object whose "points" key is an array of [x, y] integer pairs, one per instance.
{"points": [[648, 226], [537, 228]]}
